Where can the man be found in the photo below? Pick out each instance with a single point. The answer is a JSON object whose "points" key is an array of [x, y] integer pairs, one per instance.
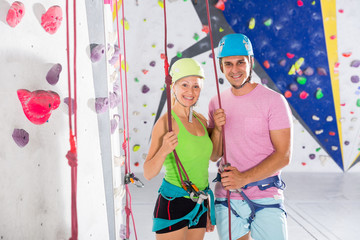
{"points": [[257, 129]]}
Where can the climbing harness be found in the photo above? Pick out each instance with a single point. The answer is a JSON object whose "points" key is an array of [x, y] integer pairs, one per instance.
{"points": [[188, 188], [170, 192], [274, 181], [72, 153]]}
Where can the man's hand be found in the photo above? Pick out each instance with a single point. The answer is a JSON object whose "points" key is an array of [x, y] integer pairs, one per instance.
{"points": [[232, 179]]}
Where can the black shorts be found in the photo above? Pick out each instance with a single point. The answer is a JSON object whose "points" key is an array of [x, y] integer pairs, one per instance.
{"points": [[177, 208]]}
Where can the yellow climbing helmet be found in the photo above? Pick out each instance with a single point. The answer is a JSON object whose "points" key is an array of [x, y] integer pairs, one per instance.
{"points": [[186, 67]]}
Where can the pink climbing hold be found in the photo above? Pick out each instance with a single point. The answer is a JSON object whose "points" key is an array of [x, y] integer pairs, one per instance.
{"points": [[38, 105], [300, 3], [15, 14], [220, 5], [51, 20], [290, 55], [304, 95]]}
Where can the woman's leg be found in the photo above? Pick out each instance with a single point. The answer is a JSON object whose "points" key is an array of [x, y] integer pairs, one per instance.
{"points": [[195, 234], [175, 235]]}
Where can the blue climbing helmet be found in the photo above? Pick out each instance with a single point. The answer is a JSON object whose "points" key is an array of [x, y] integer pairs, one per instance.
{"points": [[236, 44]]}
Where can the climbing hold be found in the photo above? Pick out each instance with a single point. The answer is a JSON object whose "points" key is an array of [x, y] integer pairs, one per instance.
{"points": [[179, 54], [355, 63], [126, 25], [152, 63], [298, 64], [293, 87], [115, 99], [282, 62], [304, 95], [312, 156], [220, 5], [101, 104], [346, 142], [162, 56], [287, 94], [347, 54], [319, 93], [303, 163], [115, 56], [136, 79], [221, 80], [336, 67], [355, 79], [145, 89], [309, 71], [252, 23], [268, 22], [318, 149], [334, 148], [221, 29], [38, 105], [123, 66], [264, 81], [136, 147], [266, 64], [15, 13], [321, 71], [341, 10], [145, 71], [358, 102], [113, 125], [300, 3], [315, 118], [51, 20], [205, 29], [292, 70], [318, 132], [290, 55], [196, 36], [332, 37], [329, 119], [161, 3], [136, 164], [97, 52], [170, 45], [66, 101], [52, 77], [21, 137], [301, 80], [331, 133]]}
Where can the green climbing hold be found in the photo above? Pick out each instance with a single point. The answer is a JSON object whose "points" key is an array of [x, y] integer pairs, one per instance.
{"points": [[319, 93], [196, 36], [268, 22], [358, 102], [301, 80], [318, 149], [179, 54], [136, 80]]}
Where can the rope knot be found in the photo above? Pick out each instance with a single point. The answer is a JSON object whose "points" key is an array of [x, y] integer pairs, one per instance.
{"points": [[72, 158]]}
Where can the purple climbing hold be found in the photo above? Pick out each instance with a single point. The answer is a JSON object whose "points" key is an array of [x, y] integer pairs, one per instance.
{"points": [[221, 80], [210, 55], [264, 81], [346, 142], [152, 63], [97, 52], [355, 63], [66, 101], [21, 137], [145, 89], [309, 71], [282, 62], [114, 99], [355, 79], [170, 45], [312, 156], [101, 105], [293, 87], [321, 71], [115, 56], [113, 125], [52, 77]]}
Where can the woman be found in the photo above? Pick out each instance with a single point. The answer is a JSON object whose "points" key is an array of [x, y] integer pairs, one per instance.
{"points": [[193, 146]]}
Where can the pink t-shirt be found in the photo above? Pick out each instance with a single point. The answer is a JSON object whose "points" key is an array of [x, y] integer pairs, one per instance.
{"points": [[249, 119]]}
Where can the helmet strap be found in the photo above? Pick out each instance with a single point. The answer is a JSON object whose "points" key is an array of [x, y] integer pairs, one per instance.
{"points": [[191, 108]]}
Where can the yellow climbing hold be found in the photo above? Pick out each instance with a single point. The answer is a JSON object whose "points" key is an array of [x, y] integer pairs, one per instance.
{"points": [[298, 63], [252, 23], [136, 148], [292, 70], [126, 25], [161, 3], [123, 66], [221, 29]]}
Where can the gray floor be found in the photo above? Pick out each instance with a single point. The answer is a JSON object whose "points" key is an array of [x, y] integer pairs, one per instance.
{"points": [[319, 205]]}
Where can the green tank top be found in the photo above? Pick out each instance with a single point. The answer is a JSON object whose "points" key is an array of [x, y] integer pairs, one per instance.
{"points": [[194, 153]]}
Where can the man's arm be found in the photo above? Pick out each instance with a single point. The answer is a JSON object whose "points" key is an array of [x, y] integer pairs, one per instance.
{"points": [[281, 140]]}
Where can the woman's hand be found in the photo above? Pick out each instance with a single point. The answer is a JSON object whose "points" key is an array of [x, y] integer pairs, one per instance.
{"points": [[170, 141]]}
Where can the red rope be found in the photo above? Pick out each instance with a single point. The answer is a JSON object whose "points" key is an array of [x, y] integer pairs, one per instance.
{"points": [[219, 99], [72, 154], [126, 144]]}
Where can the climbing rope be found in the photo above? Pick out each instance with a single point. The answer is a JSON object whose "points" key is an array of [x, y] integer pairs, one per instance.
{"points": [[219, 99], [72, 154], [125, 113]]}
